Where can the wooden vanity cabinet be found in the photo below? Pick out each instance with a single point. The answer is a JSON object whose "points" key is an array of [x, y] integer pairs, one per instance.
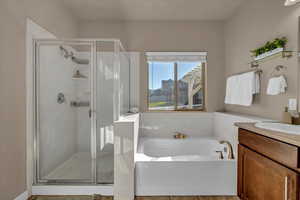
{"points": [[261, 177]]}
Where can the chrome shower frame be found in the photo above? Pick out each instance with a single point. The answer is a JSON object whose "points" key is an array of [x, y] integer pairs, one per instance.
{"points": [[92, 43]]}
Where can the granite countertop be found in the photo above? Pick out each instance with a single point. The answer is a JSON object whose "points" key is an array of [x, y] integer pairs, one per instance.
{"points": [[283, 137]]}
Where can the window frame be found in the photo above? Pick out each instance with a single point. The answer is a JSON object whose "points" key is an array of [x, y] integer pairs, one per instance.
{"points": [[203, 74]]}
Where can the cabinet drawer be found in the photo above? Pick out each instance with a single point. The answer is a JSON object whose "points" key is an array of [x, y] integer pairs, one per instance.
{"points": [[276, 150]]}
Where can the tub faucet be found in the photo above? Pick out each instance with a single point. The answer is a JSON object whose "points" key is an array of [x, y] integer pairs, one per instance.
{"points": [[229, 149], [179, 135], [221, 156]]}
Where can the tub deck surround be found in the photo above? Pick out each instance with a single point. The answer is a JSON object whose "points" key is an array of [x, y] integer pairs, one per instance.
{"points": [[148, 161], [166, 124], [283, 137], [224, 129], [125, 146]]}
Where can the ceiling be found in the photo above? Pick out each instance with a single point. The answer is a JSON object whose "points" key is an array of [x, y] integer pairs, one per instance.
{"points": [[152, 10]]}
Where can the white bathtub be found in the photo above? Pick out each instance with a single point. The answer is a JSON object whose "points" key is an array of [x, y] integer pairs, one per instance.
{"points": [[183, 167]]}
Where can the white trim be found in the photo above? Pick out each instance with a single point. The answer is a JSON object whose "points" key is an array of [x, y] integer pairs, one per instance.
{"points": [[72, 190], [176, 53], [33, 31], [176, 56], [23, 196]]}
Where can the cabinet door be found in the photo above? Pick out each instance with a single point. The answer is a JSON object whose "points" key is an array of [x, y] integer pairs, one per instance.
{"points": [[264, 179]]}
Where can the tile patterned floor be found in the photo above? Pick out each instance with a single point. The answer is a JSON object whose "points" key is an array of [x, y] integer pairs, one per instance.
{"points": [[137, 198]]}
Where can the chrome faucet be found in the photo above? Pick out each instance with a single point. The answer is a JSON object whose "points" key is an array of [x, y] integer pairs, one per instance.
{"points": [[179, 135], [221, 156], [229, 149]]}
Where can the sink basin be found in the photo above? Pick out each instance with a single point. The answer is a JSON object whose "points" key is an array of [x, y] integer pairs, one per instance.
{"points": [[280, 127]]}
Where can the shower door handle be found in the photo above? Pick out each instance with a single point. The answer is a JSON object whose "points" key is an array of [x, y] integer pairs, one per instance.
{"points": [[91, 112]]}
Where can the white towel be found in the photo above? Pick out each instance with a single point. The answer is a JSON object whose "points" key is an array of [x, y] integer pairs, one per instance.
{"points": [[276, 85], [230, 84], [241, 88], [247, 87], [256, 83]]}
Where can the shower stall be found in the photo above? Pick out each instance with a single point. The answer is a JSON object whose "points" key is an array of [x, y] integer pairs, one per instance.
{"points": [[80, 88]]}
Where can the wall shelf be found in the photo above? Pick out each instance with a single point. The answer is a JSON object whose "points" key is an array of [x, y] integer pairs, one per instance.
{"points": [[80, 103], [270, 55]]}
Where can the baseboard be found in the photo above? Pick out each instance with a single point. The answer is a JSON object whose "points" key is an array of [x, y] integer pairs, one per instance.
{"points": [[72, 190], [23, 196]]}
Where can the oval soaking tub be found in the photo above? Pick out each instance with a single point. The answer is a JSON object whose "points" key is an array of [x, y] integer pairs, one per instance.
{"points": [[183, 167]]}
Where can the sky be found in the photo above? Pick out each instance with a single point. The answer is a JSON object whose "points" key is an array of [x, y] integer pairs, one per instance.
{"points": [[159, 71]]}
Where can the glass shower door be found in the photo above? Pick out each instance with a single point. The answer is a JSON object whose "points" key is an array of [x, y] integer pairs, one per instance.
{"points": [[113, 101], [106, 109], [64, 119]]}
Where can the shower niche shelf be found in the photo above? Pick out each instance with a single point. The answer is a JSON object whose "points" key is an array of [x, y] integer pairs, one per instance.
{"points": [[80, 103], [76, 79], [79, 76]]}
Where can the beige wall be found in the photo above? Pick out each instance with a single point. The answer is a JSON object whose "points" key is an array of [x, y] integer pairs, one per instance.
{"points": [[255, 23], [170, 36], [54, 17]]}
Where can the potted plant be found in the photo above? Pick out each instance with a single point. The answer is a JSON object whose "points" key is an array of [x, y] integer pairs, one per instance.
{"points": [[270, 48]]}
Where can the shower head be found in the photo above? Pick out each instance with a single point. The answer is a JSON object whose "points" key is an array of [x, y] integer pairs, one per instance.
{"points": [[69, 54], [80, 61], [66, 53]]}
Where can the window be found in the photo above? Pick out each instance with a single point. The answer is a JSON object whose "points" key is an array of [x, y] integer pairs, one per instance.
{"points": [[176, 80]]}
